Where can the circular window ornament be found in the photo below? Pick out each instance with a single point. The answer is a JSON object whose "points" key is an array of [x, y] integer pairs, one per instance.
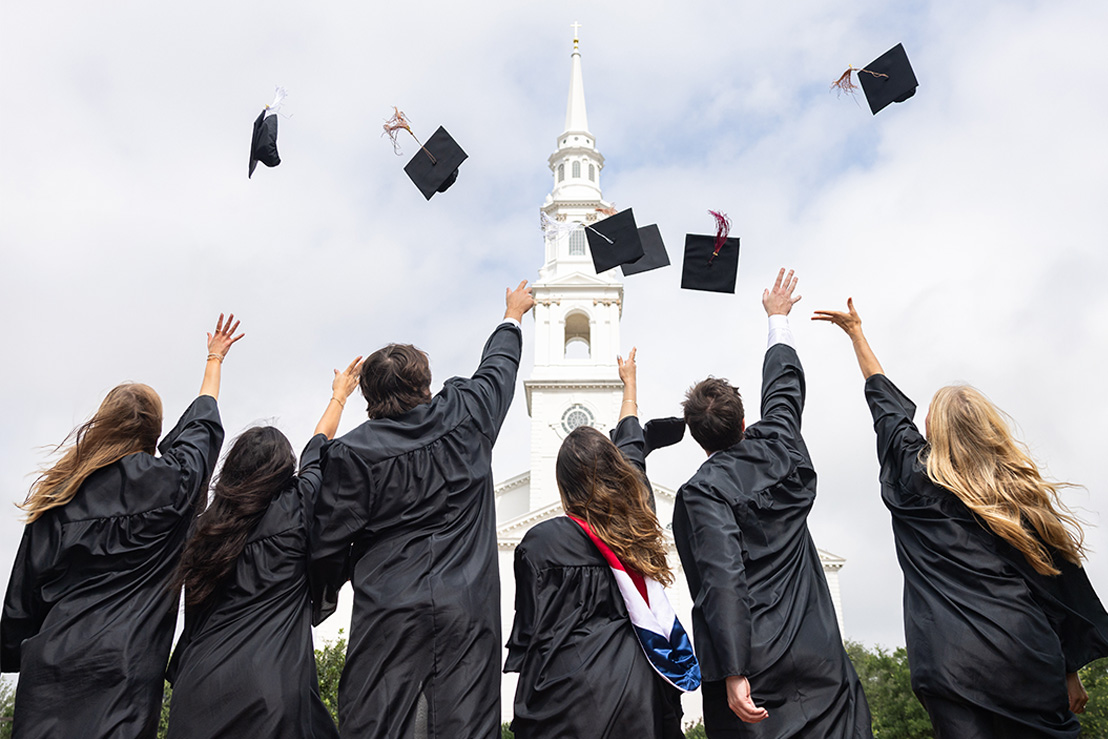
{"points": [[576, 415]]}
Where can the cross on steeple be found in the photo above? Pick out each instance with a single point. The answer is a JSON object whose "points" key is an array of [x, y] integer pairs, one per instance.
{"points": [[575, 25]]}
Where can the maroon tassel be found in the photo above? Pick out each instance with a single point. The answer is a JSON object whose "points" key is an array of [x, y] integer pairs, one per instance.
{"points": [[723, 227]]}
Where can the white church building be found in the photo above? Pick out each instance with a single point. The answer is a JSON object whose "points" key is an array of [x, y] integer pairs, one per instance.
{"points": [[575, 379]]}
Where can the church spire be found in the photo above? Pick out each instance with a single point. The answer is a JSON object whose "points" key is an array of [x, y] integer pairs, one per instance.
{"points": [[576, 119]]}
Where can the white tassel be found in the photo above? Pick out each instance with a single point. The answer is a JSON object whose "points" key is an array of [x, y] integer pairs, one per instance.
{"points": [[552, 228], [279, 95]]}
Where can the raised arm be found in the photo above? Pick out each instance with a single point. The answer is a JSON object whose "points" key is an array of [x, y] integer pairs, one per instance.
{"points": [[341, 388], [219, 344], [493, 384], [630, 405], [852, 325], [782, 375]]}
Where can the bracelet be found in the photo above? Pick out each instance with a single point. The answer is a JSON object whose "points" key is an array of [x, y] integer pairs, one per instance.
{"points": [[338, 401], [218, 357], [631, 401]]}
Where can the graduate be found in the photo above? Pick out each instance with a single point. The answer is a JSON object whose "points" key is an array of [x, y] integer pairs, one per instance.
{"points": [[89, 615], [764, 626], [406, 512], [245, 665], [589, 587], [998, 613]]}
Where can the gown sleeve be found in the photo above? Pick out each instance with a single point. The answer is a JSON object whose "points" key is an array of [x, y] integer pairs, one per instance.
{"points": [[24, 608], [493, 384], [782, 392], [193, 447], [722, 602], [898, 439], [628, 438], [522, 627], [335, 515]]}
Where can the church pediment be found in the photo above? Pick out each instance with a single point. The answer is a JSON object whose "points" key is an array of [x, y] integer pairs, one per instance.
{"points": [[577, 280]]}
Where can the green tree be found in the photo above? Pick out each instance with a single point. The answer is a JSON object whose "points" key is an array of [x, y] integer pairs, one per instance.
{"points": [[1094, 722], [329, 661], [7, 708], [695, 731], [896, 712], [163, 720]]}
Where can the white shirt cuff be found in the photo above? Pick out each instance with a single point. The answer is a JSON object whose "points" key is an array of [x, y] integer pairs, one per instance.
{"points": [[779, 331], [512, 321]]}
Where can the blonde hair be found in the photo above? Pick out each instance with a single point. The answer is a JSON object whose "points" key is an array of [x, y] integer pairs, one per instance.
{"points": [[128, 421], [972, 453], [606, 491]]}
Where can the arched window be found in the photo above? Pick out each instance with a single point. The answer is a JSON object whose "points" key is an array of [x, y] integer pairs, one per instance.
{"points": [[577, 335], [577, 241], [577, 170], [592, 173], [561, 172]]}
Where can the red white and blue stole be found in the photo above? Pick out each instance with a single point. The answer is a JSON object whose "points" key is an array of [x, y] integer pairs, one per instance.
{"points": [[663, 640]]}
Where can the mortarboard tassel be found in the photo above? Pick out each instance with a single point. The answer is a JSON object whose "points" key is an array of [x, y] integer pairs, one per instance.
{"points": [[399, 122], [279, 96], [846, 84], [552, 228], [723, 227]]}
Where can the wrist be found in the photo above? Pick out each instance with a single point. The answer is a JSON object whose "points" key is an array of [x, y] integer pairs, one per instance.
{"points": [[215, 356], [340, 401]]}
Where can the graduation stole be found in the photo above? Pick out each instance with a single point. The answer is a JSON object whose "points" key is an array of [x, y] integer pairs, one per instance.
{"points": [[663, 640]]}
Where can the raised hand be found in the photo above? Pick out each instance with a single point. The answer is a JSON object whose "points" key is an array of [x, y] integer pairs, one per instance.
{"points": [[627, 367], [518, 301], [779, 299], [848, 322], [220, 342], [740, 702], [345, 382]]}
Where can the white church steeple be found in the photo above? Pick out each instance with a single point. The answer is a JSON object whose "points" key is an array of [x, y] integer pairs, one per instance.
{"points": [[577, 312]]}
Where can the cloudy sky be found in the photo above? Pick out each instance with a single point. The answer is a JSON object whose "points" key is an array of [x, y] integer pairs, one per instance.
{"points": [[968, 223]]}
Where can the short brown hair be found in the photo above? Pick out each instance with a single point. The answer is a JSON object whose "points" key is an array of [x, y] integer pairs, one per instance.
{"points": [[394, 380], [714, 414]]}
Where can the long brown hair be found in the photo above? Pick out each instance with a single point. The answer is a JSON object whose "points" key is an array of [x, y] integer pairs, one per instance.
{"points": [[973, 453], [602, 488], [259, 466], [128, 421]]}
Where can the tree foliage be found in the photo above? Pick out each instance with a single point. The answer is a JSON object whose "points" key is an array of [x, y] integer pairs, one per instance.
{"points": [[7, 707], [329, 661], [896, 712]]}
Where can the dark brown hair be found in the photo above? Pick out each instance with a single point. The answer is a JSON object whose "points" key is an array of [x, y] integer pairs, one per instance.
{"points": [[714, 414], [128, 421], [259, 466], [394, 380], [599, 486]]}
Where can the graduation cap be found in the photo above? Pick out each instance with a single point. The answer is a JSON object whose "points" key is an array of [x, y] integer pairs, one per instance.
{"points": [[654, 252], [662, 432], [711, 262], [887, 79], [434, 168], [614, 241], [263, 144]]}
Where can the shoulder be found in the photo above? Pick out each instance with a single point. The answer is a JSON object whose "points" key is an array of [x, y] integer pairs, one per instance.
{"points": [[559, 542]]}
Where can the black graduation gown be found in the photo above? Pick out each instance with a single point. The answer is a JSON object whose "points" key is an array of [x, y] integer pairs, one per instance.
{"points": [[761, 606], [89, 618], [413, 495], [244, 665], [582, 671], [982, 628]]}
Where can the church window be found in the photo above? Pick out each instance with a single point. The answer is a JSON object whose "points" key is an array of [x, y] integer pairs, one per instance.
{"points": [[592, 173], [577, 169], [561, 172], [576, 415], [578, 336], [577, 241]]}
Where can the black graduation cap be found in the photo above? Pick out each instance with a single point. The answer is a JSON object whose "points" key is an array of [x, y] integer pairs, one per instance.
{"points": [[614, 241], [263, 143], [434, 168], [711, 262], [662, 432], [654, 252], [888, 79]]}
